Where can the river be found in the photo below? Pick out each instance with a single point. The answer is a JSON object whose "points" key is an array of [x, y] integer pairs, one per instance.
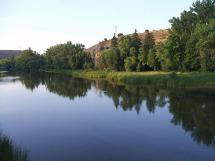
{"points": [[60, 118]]}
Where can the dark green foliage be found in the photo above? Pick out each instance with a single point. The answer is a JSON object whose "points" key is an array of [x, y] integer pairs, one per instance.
{"points": [[133, 52], [68, 56], [7, 64], [204, 10], [127, 54], [124, 45], [190, 45], [122, 55], [147, 45], [152, 60], [63, 56], [163, 56], [148, 42], [131, 63], [203, 40], [111, 59], [135, 40], [29, 61]]}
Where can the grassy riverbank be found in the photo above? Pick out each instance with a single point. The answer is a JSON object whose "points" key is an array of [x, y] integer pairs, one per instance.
{"points": [[197, 79]]}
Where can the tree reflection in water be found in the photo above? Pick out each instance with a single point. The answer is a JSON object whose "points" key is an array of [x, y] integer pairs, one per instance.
{"points": [[192, 109], [10, 152]]}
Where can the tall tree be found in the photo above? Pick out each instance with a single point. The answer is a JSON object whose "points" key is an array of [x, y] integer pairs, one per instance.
{"points": [[124, 45], [180, 41], [201, 52], [111, 59], [131, 63], [152, 60], [135, 40], [148, 42], [30, 60], [68, 56]]}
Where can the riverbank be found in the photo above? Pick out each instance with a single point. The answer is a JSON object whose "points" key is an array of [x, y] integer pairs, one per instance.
{"points": [[170, 79]]}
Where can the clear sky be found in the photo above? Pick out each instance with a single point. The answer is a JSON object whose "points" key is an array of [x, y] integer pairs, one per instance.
{"points": [[41, 23]]}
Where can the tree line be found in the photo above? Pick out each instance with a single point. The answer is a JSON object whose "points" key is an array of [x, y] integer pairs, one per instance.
{"points": [[58, 57], [189, 47], [129, 53]]}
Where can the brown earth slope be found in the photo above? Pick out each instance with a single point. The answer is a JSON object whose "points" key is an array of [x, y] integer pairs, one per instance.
{"points": [[159, 36]]}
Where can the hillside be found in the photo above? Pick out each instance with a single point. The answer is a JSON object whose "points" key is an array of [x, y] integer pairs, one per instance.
{"points": [[159, 36], [9, 53]]}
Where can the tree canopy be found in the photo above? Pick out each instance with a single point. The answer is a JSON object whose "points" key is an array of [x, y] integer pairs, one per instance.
{"points": [[62, 56]]}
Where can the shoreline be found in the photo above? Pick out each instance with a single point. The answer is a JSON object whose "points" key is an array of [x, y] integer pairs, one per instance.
{"points": [[168, 79]]}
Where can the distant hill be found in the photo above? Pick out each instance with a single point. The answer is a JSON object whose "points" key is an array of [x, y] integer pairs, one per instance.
{"points": [[9, 53], [159, 36]]}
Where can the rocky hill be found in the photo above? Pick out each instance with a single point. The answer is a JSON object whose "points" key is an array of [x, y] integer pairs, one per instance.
{"points": [[159, 36], [9, 53]]}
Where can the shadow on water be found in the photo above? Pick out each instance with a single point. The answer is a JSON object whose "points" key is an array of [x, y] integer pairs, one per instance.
{"points": [[11, 152], [193, 109], [61, 85]]}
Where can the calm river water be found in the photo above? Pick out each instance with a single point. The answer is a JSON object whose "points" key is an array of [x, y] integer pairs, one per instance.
{"points": [[58, 118]]}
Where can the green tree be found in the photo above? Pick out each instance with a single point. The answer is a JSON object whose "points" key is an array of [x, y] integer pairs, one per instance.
{"points": [[68, 56], [111, 59], [204, 10], [180, 42], [135, 40], [30, 60], [7, 64], [124, 45], [152, 60], [142, 60], [131, 63], [148, 42], [181, 30], [163, 56], [133, 52], [202, 47]]}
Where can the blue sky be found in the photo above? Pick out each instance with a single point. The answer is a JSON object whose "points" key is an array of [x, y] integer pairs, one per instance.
{"points": [[41, 23]]}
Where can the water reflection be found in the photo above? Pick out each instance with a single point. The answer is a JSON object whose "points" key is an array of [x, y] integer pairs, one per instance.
{"points": [[59, 84], [192, 109], [132, 97], [11, 152]]}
